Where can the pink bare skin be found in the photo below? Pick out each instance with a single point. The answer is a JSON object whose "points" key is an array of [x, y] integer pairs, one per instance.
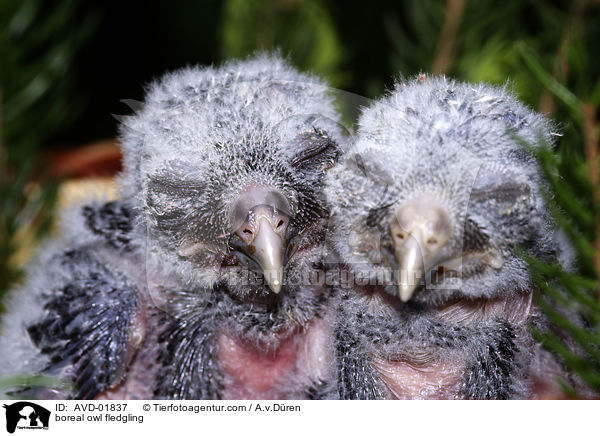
{"points": [[299, 361], [249, 372]]}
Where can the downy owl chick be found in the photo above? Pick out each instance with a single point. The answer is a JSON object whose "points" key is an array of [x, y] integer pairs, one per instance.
{"points": [[196, 284], [430, 209]]}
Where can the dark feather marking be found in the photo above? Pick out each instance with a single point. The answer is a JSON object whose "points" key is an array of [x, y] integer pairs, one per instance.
{"points": [[489, 375], [112, 220], [87, 324], [189, 369], [474, 238], [376, 216], [357, 379], [320, 390]]}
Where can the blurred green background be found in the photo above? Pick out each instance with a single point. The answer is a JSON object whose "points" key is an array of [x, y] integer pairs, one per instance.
{"points": [[66, 64]]}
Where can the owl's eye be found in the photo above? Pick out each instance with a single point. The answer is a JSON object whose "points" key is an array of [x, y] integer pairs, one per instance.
{"points": [[175, 186], [169, 199], [316, 146], [310, 142], [499, 185], [507, 192]]}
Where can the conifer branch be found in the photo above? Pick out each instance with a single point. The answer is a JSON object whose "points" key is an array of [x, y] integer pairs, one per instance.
{"points": [[590, 130], [447, 38]]}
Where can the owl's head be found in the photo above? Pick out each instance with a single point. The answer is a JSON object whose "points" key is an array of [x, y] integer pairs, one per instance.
{"points": [[226, 167], [438, 193]]}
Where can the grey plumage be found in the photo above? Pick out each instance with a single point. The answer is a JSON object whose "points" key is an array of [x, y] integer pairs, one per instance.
{"points": [[430, 207], [162, 293], [200, 281]]}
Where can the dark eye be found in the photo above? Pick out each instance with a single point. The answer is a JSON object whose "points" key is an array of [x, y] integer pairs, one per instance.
{"points": [[176, 187], [507, 192], [169, 201], [316, 146], [370, 168]]}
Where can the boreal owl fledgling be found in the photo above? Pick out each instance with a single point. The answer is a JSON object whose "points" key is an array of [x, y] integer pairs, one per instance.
{"points": [[429, 211], [197, 283]]}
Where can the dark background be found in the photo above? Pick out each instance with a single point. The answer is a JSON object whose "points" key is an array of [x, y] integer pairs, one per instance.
{"points": [[360, 45], [135, 42]]}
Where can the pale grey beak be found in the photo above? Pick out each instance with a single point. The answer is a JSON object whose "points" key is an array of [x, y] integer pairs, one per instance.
{"points": [[421, 230], [264, 237], [270, 249]]}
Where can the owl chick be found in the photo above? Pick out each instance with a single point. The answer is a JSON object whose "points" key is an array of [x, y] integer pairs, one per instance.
{"points": [[196, 284], [430, 209]]}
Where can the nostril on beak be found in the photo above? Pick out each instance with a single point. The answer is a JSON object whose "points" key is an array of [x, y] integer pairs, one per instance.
{"points": [[263, 234], [246, 233], [420, 230]]}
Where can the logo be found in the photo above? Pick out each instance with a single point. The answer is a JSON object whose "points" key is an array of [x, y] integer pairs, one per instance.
{"points": [[26, 415]]}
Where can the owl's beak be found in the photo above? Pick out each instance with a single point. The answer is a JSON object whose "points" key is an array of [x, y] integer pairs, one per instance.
{"points": [[269, 251], [263, 234], [421, 230]]}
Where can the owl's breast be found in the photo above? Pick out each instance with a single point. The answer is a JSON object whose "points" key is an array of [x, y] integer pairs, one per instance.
{"points": [[251, 372]]}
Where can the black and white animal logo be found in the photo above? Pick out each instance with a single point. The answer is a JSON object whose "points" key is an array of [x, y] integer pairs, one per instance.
{"points": [[26, 415]]}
